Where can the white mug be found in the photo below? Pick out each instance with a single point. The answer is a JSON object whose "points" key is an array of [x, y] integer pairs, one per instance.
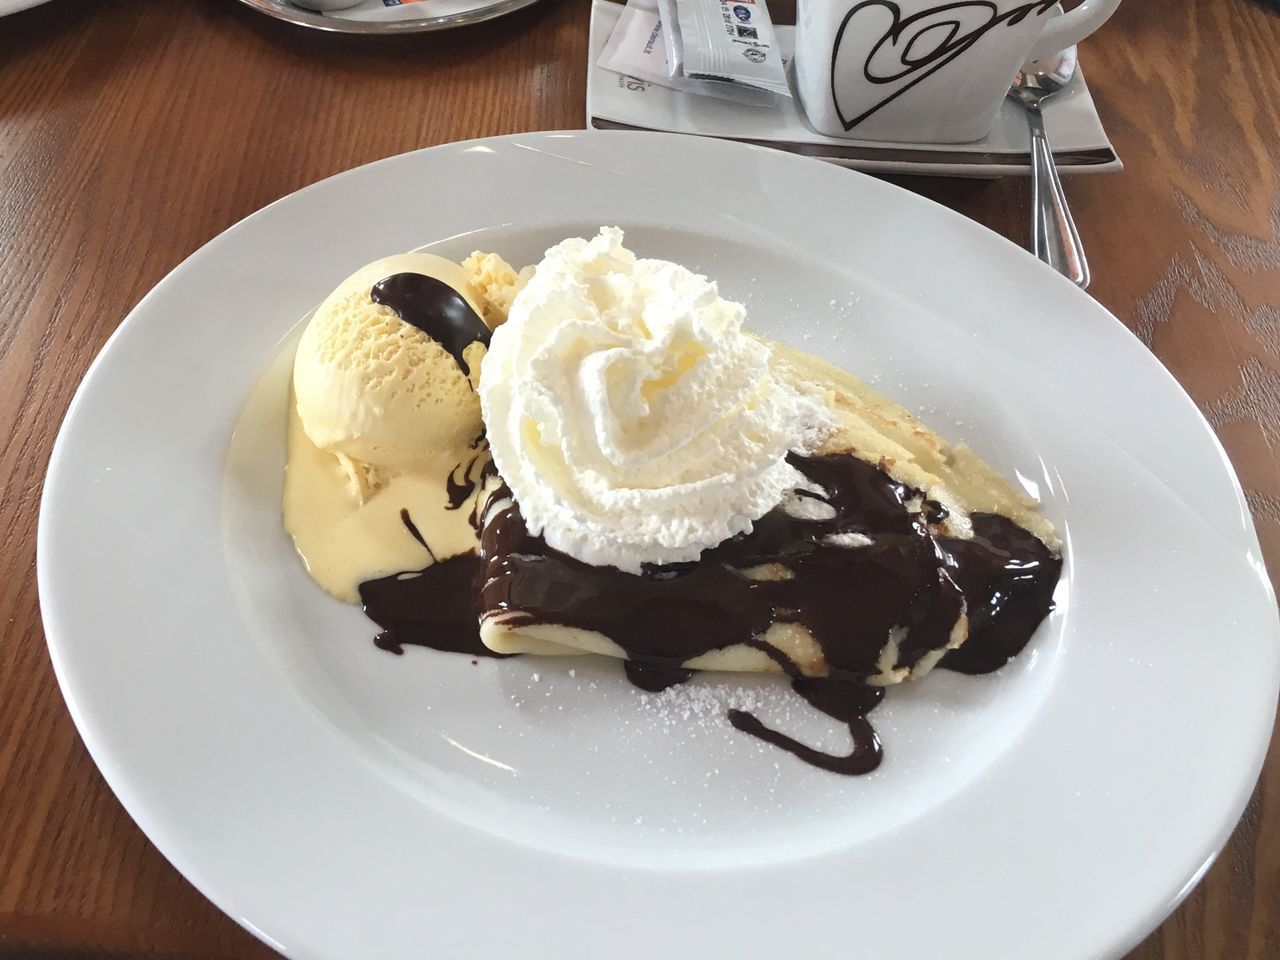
{"points": [[924, 71]]}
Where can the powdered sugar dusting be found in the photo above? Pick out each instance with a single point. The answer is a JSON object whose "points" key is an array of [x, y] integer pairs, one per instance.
{"points": [[702, 703]]}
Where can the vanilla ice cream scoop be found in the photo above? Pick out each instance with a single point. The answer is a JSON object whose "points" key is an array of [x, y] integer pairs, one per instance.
{"points": [[633, 418], [385, 373]]}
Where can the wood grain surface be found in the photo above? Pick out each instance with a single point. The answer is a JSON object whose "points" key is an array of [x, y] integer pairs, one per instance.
{"points": [[132, 131]]}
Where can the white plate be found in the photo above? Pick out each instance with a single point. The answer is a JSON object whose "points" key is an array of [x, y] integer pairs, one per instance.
{"points": [[13, 6], [342, 802], [373, 16]]}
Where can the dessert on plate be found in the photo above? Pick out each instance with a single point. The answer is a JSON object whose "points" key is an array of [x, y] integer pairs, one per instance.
{"points": [[595, 456]]}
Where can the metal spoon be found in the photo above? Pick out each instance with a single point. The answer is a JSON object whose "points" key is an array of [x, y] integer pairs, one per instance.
{"points": [[1054, 238]]}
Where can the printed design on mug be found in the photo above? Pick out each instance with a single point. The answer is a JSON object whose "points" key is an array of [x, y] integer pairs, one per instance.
{"points": [[894, 53]]}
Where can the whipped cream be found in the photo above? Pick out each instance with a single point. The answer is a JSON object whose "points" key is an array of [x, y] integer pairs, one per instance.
{"points": [[633, 418]]}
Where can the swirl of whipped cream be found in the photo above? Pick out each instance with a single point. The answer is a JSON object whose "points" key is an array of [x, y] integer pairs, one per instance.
{"points": [[633, 419]]}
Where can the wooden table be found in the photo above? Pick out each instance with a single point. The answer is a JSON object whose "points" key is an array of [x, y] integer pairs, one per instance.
{"points": [[132, 131]]}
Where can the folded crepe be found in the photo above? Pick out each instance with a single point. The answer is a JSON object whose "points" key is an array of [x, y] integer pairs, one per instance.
{"points": [[855, 574]]}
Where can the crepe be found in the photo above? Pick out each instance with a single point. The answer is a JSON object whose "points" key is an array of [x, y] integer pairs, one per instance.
{"points": [[956, 484]]}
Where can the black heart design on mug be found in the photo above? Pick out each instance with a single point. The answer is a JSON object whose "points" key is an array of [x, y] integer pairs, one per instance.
{"points": [[904, 51]]}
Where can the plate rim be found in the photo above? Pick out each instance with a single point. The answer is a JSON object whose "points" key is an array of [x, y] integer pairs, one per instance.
{"points": [[318, 21], [109, 765], [8, 7]]}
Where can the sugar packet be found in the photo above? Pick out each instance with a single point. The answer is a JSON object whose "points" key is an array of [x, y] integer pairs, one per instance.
{"points": [[731, 41], [635, 49], [671, 36]]}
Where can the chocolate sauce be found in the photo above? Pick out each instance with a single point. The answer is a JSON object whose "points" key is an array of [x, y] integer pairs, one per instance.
{"points": [[435, 607], [414, 531], [1008, 577], [898, 577], [464, 479], [849, 599], [841, 700], [435, 308], [653, 677]]}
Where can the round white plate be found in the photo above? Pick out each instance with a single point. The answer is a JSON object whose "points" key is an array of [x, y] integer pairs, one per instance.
{"points": [[403, 18], [13, 6], [343, 802]]}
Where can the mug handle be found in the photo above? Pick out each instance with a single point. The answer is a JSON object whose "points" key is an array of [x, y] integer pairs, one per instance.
{"points": [[1071, 27]]}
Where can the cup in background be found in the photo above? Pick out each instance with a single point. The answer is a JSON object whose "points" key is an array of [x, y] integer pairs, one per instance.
{"points": [[924, 71]]}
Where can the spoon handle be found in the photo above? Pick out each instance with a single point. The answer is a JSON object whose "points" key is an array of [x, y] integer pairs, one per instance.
{"points": [[1054, 238]]}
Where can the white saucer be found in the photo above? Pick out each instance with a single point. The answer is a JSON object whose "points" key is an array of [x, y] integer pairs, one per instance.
{"points": [[614, 102], [342, 802]]}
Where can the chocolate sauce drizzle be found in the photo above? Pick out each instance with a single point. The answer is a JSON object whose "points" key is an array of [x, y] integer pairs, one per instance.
{"points": [[1008, 577], [435, 308], [841, 700], [899, 577], [464, 479], [435, 607], [415, 532], [849, 599], [654, 677]]}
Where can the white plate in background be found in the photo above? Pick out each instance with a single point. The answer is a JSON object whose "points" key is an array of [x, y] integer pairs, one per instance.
{"points": [[13, 6], [342, 802], [374, 17]]}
